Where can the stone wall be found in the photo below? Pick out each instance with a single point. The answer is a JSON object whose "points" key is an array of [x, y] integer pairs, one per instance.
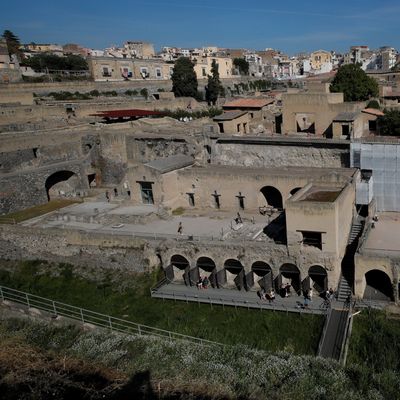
{"points": [[275, 155], [76, 248], [25, 189]]}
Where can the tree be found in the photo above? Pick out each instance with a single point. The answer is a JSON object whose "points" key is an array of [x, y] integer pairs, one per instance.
{"points": [[184, 79], [354, 83], [373, 104], [242, 65], [13, 43], [214, 87], [389, 124], [54, 62]]}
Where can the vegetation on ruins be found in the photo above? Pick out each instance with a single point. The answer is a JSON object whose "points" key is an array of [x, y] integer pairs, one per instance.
{"points": [[36, 211], [389, 124], [211, 112], [184, 78], [354, 83], [214, 87], [374, 104], [242, 65], [127, 296], [13, 43], [52, 62], [65, 95], [39, 360]]}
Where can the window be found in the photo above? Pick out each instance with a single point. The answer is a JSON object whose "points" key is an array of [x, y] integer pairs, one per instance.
{"points": [[251, 115], [312, 239], [144, 72], [106, 71], [146, 189], [203, 71], [217, 203], [238, 127], [158, 72], [191, 199], [241, 200], [221, 127]]}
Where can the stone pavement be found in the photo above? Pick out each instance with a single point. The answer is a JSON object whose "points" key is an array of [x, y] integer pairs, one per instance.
{"points": [[237, 298]]}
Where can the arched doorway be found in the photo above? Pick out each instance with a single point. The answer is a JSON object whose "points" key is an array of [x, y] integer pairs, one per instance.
{"points": [[261, 273], [318, 279], [378, 286], [234, 274], [179, 267], [295, 190], [61, 183], [289, 274], [206, 267], [272, 196]]}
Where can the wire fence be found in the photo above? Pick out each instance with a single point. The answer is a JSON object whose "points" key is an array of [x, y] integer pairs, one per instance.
{"points": [[85, 316]]}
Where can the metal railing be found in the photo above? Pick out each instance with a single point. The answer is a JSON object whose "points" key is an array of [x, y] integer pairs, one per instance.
{"points": [[7, 220], [214, 300], [85, 316], [324, 331]]}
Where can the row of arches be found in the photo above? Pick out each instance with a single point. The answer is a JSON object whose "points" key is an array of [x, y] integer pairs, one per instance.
{"points": [[233, 275]]}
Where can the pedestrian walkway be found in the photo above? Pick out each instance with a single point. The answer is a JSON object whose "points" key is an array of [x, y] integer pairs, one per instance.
{"points": [[236, 298]]}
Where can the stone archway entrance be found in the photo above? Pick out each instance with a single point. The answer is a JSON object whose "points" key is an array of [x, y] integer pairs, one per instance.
{"points": [[317, 279], [206, 267], [179, 269], [232, 276], [272, 196], [378, 286], [262, 276], [289, 273], [62, 184]]}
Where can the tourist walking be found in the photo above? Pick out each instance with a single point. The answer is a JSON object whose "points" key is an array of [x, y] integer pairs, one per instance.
{"points": [[180, 228]]}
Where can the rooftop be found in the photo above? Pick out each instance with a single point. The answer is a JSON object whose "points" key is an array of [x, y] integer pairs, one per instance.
{"points": [[373, 111], [126, 113], [385, 236], [321, 194], [248, 103], [171, 163], [229, 115], [346, 116]]}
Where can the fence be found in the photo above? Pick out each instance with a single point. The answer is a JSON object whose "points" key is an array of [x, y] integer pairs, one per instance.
{"points": [[213, 299], [91, 317]]}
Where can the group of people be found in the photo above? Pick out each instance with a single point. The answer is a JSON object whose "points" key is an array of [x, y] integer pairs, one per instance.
{"points": [[270, 296], [330, 294], [203, 283], [285, 289]]}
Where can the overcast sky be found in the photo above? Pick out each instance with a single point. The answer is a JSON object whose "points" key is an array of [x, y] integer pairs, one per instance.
{"points": [[292, 25]]}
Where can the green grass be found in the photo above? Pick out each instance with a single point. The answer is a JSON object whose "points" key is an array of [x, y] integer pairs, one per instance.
{"points": [[36, 211], [375, 341], [178, 211], [266, 330]]}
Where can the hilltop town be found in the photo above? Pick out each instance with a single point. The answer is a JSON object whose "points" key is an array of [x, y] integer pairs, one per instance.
{"points": [[212, 180]]}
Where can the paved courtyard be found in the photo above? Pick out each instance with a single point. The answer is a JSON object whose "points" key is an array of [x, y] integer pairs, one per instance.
{"points": [[90, 216]]}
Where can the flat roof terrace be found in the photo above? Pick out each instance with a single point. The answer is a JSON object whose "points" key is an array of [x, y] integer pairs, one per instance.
{"points": [[385, 236], [321, 194]]}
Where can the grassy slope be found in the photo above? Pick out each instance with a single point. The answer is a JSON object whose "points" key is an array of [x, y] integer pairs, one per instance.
{"points": [[263, 330], [36, 211], [375, 341]]}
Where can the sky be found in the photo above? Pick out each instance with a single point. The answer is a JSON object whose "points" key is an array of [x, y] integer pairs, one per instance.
{"points": [[292, 25]]}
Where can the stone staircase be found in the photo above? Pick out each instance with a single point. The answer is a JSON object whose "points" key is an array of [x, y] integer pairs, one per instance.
{"points": [[346, 282]]}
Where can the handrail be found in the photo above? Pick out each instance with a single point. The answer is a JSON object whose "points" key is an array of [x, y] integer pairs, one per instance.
{"points": [[92, 317], [324, 331]]}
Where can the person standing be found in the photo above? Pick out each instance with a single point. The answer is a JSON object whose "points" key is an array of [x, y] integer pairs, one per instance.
{"points": [[180, 228]]}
